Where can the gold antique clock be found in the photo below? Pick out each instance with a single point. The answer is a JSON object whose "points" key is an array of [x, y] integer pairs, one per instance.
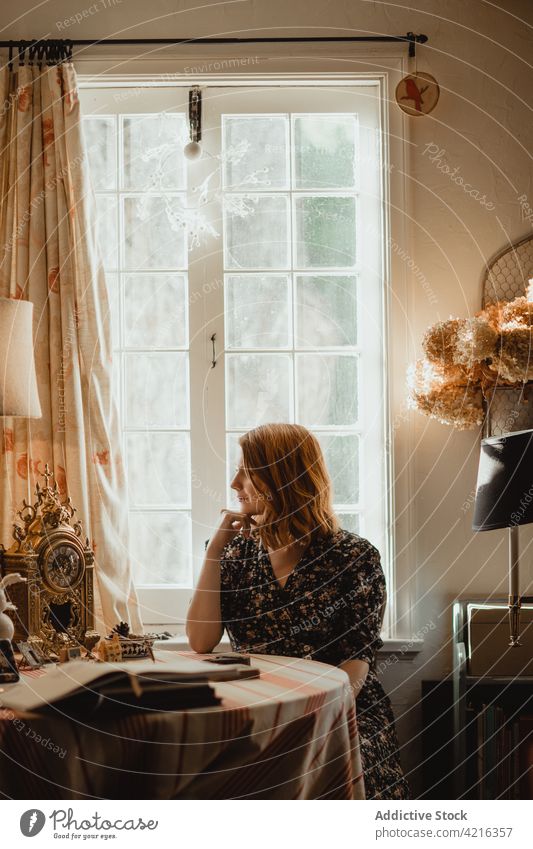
{"points": [[56, 603]]}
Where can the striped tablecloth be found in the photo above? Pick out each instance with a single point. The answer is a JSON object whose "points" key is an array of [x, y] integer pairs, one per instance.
{"points": [[290, 734]]}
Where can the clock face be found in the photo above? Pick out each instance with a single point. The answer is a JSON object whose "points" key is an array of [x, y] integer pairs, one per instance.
{"points": [[63, 566]]}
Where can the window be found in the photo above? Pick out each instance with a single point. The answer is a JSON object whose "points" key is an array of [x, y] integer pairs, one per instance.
{"points": [[247, 286]]}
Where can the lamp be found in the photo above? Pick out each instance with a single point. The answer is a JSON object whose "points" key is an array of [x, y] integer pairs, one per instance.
{"points": [[18, 397], [18, 382], [504, 499], [193, 149]]}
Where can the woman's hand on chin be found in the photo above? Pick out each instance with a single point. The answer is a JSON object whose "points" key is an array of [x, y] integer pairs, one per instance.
{"points": [[232, 522]]}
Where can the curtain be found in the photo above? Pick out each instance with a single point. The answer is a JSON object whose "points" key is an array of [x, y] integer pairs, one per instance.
{"points": [[49, 255]]}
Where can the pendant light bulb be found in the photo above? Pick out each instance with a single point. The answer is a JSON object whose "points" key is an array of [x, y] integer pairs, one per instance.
{"points": [[192, 151]]}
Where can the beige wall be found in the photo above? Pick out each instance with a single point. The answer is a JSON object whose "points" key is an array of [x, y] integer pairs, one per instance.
{"points": [[478, 52]]}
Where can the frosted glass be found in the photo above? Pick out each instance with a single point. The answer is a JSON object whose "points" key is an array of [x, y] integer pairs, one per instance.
{"points": [[159, 469], [255, 151], [107, 229], [157, 390], [256, 311], [324, 151], [153, 237], [257, 389], [161, 548], [232, 454], [259, 238], [327, 389], [350, 522], [326, 311], [341, 453], [100, 140], [325, 232], [153, 151], [155, 310]]}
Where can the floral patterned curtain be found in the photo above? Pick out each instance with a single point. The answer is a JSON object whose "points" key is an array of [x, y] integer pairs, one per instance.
{"points": [[49, 255]]}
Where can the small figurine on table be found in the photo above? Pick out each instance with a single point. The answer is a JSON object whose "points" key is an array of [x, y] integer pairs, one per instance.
{"points": [[8, 666], [7, 629], [121, 644], [109, 650]]}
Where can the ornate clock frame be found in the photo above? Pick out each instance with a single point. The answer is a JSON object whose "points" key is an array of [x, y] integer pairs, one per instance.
{"points": [[56, 603]]}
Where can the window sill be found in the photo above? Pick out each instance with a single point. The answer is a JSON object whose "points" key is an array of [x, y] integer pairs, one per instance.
{"points": [[404, 649]]}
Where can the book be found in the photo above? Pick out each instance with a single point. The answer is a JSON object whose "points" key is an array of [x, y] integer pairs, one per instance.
{"points": [[525, 756], [172, 682], [481, 734]]}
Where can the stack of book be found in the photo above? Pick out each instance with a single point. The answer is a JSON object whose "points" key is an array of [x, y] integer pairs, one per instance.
{"points": [[82, 687]]}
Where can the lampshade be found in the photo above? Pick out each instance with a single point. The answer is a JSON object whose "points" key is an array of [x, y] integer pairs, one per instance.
{"points": [[18, 383], [504, 492]]}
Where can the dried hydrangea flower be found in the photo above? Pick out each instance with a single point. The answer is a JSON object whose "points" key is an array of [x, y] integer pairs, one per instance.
{"points": [[467, 357], [492, 313], [440, 341], [442, 394], [513, 362], [519, 311], [476, 340]]}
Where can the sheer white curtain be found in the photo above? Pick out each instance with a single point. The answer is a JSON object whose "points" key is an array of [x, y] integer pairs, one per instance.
{"points": [[49, 255]]}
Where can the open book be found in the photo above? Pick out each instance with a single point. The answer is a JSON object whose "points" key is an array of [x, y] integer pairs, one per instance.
{"points": [[173, 682]]}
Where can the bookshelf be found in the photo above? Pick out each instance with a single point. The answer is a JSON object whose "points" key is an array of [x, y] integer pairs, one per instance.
{"points": [[492, 717]]}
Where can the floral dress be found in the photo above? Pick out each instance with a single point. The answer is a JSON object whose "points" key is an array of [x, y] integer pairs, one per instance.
{"points": [[329, 610]]}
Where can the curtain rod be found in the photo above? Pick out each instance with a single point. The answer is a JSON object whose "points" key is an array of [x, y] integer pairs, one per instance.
{"points": [[58, 49]]}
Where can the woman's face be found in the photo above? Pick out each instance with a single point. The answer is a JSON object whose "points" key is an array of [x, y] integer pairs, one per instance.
{"points": [[244, 489]]}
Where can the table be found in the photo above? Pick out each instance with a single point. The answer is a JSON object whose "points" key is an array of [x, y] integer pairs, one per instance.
{"points": [[290, 734]]}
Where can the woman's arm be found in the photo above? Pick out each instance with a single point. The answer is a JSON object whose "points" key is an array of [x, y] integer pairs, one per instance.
{"points": [[363, 587], [357, 671], [204, 628]]}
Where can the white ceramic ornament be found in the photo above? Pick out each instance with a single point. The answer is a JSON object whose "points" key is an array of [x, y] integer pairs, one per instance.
{"points": [[7, 628]]}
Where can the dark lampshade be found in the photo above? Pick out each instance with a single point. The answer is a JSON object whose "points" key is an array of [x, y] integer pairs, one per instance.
{"points": [[504, 492]]}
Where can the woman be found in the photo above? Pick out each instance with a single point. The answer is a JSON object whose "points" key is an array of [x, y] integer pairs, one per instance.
{"points": [[283, 578]]}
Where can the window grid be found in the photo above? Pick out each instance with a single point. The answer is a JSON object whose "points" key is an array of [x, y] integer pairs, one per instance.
{"points": [[297, 352], [117, 275], [293, 271]]}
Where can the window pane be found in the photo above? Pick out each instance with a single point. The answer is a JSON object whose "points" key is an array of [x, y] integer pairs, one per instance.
{"points": [[155, 310], [153, 235], [350, 522], [325, 232], [100, 140], [341, 453], [106, 222], [156, 390], [327, 389], [153, 151], [159, 469], [256, 311], [232, 455], [161, 548], [256, 231], [324, 151], [326, 311], [257, 389], [255, 151]]}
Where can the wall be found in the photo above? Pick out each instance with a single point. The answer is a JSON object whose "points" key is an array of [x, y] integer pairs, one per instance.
{"points": [[482, 130]]}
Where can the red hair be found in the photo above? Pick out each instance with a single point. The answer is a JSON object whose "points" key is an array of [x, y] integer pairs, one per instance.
{"points": [[286, 466]]}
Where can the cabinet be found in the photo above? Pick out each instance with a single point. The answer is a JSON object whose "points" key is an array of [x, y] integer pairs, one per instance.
{"points": [[492, 721]]}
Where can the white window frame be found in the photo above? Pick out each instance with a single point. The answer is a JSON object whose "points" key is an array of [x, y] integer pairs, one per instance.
{"points": [[387, 69]]}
